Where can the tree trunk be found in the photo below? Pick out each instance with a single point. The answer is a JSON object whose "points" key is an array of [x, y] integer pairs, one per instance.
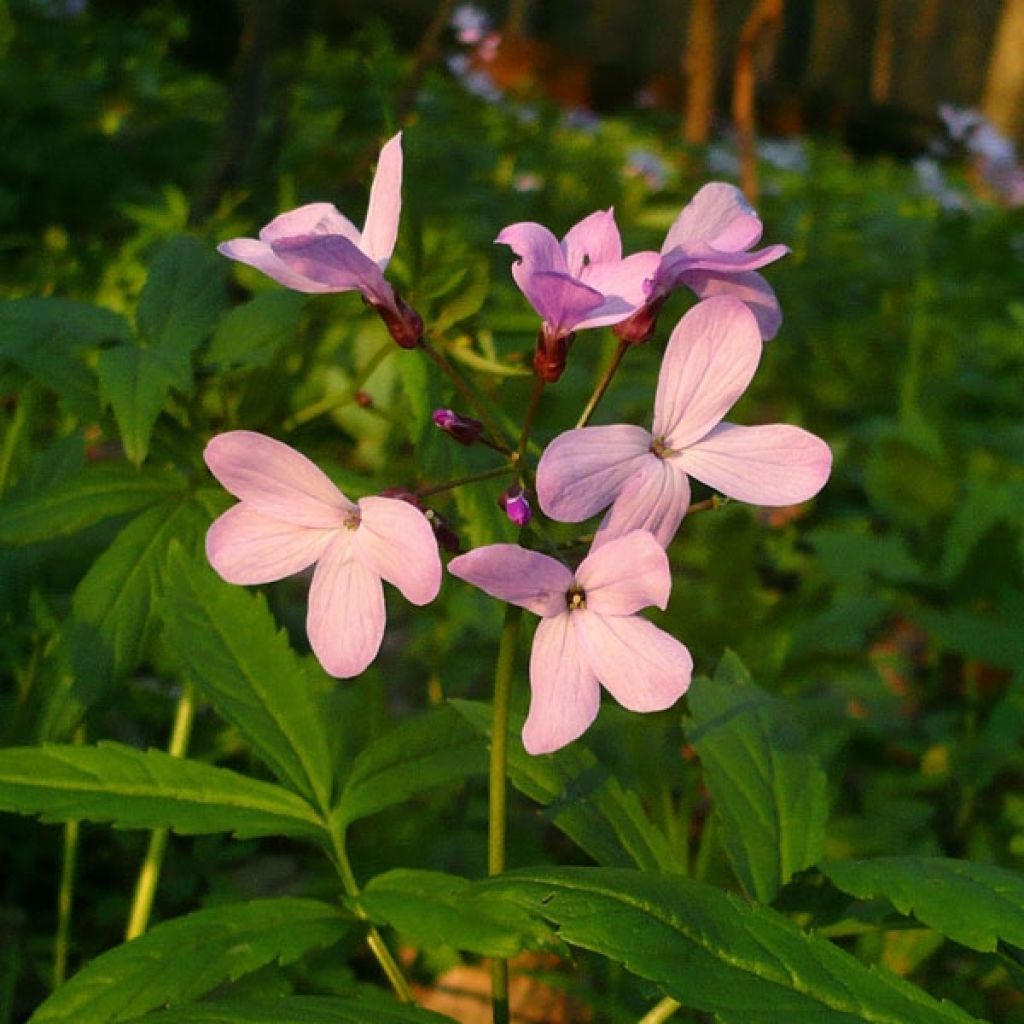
{"points": [[1003, 102], [699, 72], [881, 57]]}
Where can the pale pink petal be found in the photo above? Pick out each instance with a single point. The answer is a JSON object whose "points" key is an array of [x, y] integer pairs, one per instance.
{"points": [[676, 263], [512, 573], [345, 622], [718, 216], [275, 480], [564, 695], [560, 301], [311, 219], [625, 575], [262, 257], [769, 465], [336, 262], [582, 470], [381, 228], [655, 500], [246, 547], [534, 245], [395, 540], [710, 359], [641, 666], [625, 284], [751, 289], [595, 239]]}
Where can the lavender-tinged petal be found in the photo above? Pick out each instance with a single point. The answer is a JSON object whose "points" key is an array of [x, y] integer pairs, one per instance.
{"points": [[246, 547], [677, 263], [262, 257], [311, 219], [564, 694], [535, 246], [336, 262], [718, 216], [625, 575], [583, 470], [629, 279], [767, 465], [512, 573], [276, 480], [710, 359], [395, 540], [595, 239], [346, 617], [641, 666], [381, 228], [751, 289], [655, 500], [560, 301]]}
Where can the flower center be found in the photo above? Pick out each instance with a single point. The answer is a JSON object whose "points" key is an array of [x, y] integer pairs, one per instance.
{"points": [[575, 598], [351, 520], [661, 449]]}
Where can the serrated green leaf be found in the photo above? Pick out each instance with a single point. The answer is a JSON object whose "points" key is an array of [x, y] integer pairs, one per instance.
{"points": [[432, 909], [298, 1010], [232, 649], [582, 799], [769, 790], [977, 905], [251, 334], [420, 754], [180, 960], [714, 952], [146, 789], [70, 505]]}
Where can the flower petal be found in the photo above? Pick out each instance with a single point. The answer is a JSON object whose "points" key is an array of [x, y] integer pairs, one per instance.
{"points": [[561, 302], [534, 245], [564, 695], [277, 481], [625, 575], [381, 228], [512, 573], [311, 219], [246, 547], [346, 617], [718, 216], [769, 465], [583, 470], [655, 500], [641, 666], [262, 257], [709, 361], [678, 262], [395, 540], [750, 288], [336, 262], [625, 284], [595, 239]]}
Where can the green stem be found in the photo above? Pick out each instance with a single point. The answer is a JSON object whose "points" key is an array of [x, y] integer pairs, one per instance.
{"points": [[602, 385], [472, 478], [12, 436], [657, 1014], [149, 873], [498, 793], [374, 939], [65, 894], [531, 415]]}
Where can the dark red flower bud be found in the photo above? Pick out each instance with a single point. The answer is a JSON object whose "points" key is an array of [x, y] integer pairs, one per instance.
{"points": [[551, 354], [404, 324], [446, 536], [640, 327], [402, 495], [463, 429]]}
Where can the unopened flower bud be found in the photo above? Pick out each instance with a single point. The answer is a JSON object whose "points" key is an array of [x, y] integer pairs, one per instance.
{"points": [[551, 354], [516, 505], [639, 327], [463, 429], [404, 324], [446, 536], [402, 494]]}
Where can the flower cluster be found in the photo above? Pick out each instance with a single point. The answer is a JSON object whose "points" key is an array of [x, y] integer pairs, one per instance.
{"points": [[290, 516]]}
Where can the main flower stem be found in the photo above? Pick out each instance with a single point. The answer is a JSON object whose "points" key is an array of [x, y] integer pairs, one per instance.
{"points": [[531, 415], [374, 939], [602, 385], [149, 873], [472, 478], [498, 794], [661, 1012]]}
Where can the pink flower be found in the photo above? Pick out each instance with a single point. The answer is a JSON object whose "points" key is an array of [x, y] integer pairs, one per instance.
{"points": [[589, 632], [580, 282], [317, 249], [707, 249], [644, 475], [290, 516]]}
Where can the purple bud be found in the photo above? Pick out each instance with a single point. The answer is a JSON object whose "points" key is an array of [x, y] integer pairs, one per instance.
{"points": [[516, 505], [401, 494], [446, 536], [463, 429]]}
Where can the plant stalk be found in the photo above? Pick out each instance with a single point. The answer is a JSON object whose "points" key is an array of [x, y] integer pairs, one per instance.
{"points": [[472, 478], [602, 385], [65, 893], [661, 1012]]}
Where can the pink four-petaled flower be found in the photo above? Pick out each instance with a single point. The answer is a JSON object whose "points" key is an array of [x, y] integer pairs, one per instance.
{"points": [[643, 474], [590, 634], [290, 516]]}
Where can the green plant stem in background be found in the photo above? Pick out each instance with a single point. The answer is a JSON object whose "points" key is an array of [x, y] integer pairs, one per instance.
{"points": [[602, 385], [374, 939], [498, 792], [149, 873], [657, 1014], [472, 478], [531, 414], [12, 436], [65, 894]]}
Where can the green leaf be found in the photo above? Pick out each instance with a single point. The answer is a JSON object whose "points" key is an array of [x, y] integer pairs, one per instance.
{"points": [[146, 789], [184, 296], [251, 334], [432, 909], [468, 300], [180, 960], [583, 799], [977, 905], [769, 790], [231, 647], [715, 952], [975, 636], [422, 753], [298, 1010], [98, 492]]}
